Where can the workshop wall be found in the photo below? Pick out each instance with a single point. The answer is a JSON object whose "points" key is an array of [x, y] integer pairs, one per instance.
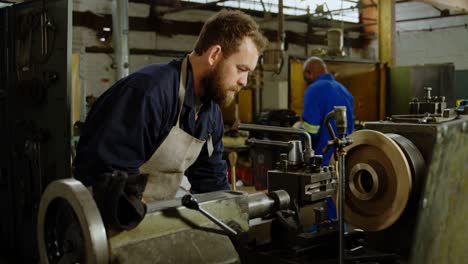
{"points": [[98, 71], [430, 41]]}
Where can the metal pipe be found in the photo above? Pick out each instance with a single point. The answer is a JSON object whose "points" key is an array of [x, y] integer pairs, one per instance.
{"points": [[269, 142], [83, 88], [280, 24], [431, 17], [326, 121], [308, 151], [339, 114], [308, 32], [44, 47], [262, 204], [259, 205], [341, 165], [120, 34]]}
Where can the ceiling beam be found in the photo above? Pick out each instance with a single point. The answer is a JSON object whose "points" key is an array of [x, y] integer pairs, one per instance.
{"points": [[431, 17], [171, 27], [458, 5], [11, 1]]}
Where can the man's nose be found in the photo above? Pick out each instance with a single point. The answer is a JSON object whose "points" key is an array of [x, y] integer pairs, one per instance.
{"points": [[243, 80]]}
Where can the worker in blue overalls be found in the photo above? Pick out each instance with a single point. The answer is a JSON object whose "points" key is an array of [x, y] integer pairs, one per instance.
{"points": [[164, 120], [323, 93]]}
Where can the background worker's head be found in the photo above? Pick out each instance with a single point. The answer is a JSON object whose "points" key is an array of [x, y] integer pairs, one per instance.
{"points": [[312, 68], [231, 42]]}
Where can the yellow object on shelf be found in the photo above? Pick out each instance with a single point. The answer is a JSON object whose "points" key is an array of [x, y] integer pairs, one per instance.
{"points": [[245, 108], [233, 141]]}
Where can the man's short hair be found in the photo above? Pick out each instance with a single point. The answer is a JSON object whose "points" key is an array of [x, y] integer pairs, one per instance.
{"points": [[227, 28], [313, 59]]}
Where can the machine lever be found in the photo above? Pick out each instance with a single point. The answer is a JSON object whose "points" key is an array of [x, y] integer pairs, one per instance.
{"points": [[340, 142], [190, 202]]}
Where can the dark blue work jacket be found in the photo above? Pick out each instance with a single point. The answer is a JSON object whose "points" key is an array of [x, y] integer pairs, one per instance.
{"points": [[131, 119]]}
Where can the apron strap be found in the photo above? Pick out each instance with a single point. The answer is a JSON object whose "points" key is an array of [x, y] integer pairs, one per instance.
{"points": [[182, 85]]}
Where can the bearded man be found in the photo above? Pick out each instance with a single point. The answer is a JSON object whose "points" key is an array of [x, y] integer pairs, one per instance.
{"points": [[163, 121]]}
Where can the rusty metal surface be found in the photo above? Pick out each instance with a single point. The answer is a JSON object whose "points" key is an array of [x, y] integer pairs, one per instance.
{"points": [[379, 181], [442, 226]]}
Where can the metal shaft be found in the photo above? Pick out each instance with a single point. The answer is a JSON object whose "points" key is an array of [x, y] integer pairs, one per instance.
{"points": [[341, 165], [266, 142], [309, 152], [218, 222]]}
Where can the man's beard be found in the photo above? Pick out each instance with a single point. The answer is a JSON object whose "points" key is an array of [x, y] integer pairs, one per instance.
{"points": [[214, 88]]}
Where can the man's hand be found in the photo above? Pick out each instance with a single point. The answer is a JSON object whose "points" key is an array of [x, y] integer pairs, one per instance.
{"points": [[236, 124], [118, 197], [298, 124]]}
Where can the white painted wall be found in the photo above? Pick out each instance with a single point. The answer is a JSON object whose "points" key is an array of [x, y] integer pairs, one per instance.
{"points": [[430, 41]]}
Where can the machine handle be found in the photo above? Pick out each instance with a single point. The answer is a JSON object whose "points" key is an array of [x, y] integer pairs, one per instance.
{"points": [[190, 202]]}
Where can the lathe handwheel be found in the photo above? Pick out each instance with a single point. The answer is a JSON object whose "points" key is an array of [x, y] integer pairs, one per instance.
{"points": [[378, 181], [70, 228]]}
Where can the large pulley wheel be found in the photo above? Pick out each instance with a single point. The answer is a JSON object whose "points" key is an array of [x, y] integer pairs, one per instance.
{"points": [[70, 227], [378, 181]]}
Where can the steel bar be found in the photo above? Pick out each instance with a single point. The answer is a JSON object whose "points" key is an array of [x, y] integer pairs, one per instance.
{"points": [[341, 165], [269, 143], [309, 152]]}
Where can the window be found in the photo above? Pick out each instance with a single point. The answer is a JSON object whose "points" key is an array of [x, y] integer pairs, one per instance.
{"points": [[344, 10]]}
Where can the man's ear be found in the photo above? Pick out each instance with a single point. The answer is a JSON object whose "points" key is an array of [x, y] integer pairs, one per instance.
{"points": [[214, 54]]}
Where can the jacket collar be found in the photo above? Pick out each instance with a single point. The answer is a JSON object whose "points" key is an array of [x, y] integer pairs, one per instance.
{"points": [[325, 76], [189, 99]]}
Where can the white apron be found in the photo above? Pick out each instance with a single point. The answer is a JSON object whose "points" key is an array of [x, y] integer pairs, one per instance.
{"points": [[175, 154]]}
